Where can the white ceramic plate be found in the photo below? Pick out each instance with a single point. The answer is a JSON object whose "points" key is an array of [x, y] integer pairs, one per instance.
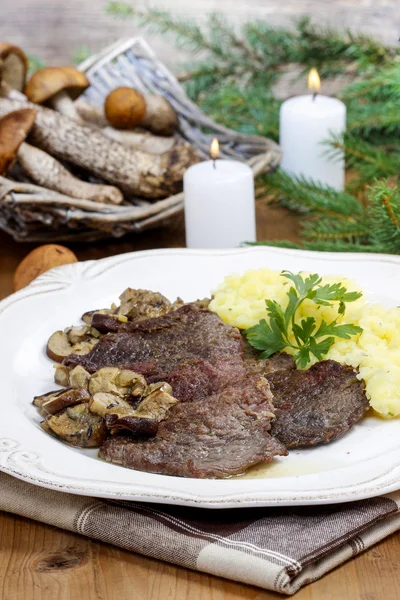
{"points": [[364, 463]]}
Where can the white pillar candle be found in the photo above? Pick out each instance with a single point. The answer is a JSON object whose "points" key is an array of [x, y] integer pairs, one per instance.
{"points": [[306, 122], [219, 204]]}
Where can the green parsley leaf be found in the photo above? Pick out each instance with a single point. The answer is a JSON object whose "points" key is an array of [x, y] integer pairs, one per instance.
{"points": [[276, 335]]}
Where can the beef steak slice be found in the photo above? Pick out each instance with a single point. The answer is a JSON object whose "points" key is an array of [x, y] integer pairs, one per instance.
{"points": [[316, 406], [189, 345], [215, 437]]}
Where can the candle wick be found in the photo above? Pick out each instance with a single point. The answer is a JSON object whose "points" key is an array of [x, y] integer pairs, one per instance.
{"points": [[315, 94], [214, 164]]}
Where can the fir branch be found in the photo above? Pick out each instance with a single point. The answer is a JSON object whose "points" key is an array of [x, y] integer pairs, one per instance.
{"points": [[322, 246], [119, 10], [329, 46], [384, 216], [329, 230], [368, 161], [366, 119], [310, 197]]}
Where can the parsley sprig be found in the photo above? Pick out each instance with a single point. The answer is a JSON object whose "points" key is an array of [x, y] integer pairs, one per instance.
{"points": [[283, 331]]}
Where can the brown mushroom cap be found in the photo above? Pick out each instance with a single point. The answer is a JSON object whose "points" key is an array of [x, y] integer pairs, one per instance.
{"points": [[13, 66], [49, 81], [125, 108], [14, 127]]}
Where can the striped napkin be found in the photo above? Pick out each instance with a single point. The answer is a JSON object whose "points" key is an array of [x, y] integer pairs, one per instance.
{"points": [[279, 549]]}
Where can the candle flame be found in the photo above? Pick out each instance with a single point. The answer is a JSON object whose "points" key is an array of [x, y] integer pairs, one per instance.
{"points": [[314, 82], [214, 149]]}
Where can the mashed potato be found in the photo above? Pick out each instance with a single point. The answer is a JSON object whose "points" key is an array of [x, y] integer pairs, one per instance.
{"points": [[240, 301]]}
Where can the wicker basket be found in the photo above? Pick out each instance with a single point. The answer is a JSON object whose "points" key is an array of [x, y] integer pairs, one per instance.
{"points": [[29, 213]]}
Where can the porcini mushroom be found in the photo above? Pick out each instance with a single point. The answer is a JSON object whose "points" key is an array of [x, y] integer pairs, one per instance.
{"points": [[14, 128], [40, 166], [13, 67], [58, 87], [133, 171], [126, 108]]}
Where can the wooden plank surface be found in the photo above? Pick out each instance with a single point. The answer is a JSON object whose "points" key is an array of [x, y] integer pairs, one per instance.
{"points": [[38, 562], [55, 29]]}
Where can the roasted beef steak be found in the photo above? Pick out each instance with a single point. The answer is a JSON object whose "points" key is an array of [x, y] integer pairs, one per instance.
{"points": [[191, 348], [218, 436], [316, 406], [222, 424]]}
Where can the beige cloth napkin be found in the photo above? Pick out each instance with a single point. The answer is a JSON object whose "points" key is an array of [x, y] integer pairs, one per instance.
{"points": [[279, 549]]}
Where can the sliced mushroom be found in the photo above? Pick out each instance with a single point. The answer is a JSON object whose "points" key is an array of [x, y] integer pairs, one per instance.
{"points": [[131, 426], [79, 378], [156, 405], [103, 403], [85, 346], [77, 426], [141, 304], [134, 383], [64, 399], [38, 401], [58, 87], [116, 381], [160, 385], [58, 346], [61, 376], [88, 315]]}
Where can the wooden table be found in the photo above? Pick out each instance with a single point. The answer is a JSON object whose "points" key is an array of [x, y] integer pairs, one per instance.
{"points": [[38, 562]]}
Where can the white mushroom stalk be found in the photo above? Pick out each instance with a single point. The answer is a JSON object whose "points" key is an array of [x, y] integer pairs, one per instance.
{"points": [[133, 171], [63, 104], [50, 173]]}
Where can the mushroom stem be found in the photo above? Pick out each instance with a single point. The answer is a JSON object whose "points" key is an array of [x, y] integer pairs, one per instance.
{"points": [[9, 92], [142, 141], [133, 171], [63, 104], [48, 172], [90, 114]]}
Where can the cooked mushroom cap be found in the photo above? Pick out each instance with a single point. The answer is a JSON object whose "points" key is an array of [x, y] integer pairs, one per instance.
{"points": [[142, 304], [125, 108], [58, 346], [64, 399], [49, 81], [156, 405], [13, 66], [61, 375], [79, 378], [14, 128], [77, 426], [120, 382], [104, 403]]}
